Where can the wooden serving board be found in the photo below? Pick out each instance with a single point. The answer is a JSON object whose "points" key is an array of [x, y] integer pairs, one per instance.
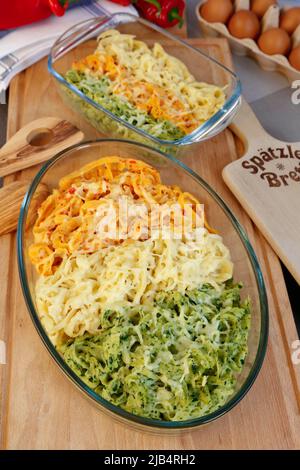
{"points": [[40, 409], [266, 181]]}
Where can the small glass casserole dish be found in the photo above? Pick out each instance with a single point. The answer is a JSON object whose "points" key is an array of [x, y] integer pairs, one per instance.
{"points": [[80, 41]]}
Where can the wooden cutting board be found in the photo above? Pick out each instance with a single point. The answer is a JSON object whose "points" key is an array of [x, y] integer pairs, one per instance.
{"points": [[40, 409], [266, 181]]}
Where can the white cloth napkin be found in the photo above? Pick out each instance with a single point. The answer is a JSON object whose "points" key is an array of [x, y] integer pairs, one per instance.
{"points": [[26, 45]]}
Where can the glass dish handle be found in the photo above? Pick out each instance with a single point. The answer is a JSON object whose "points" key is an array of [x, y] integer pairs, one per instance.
{"points": [[76, 35]]}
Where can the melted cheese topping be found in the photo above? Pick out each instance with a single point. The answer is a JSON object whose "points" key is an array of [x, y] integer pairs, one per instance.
{"points": [[72, 300], [69, 218], [82, 276], [152, 80]]}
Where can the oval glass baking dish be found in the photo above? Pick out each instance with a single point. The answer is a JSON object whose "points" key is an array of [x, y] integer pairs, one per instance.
{"points": [[246, 267], [80, 40]]}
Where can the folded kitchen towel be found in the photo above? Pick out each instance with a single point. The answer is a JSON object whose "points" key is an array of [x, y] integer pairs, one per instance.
{"points": [[24, 46]]}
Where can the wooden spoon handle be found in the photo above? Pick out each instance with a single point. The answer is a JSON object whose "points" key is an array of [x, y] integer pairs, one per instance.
{"points": [[37, 142], [11, 198]]}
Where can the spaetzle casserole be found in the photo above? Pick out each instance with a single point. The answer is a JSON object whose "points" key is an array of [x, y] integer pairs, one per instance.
{"points": [[153, 324], [145, 87]]}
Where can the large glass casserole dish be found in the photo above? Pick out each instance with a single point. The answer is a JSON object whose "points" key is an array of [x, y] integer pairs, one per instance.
{"points": [[80, 40], [246, 266]]}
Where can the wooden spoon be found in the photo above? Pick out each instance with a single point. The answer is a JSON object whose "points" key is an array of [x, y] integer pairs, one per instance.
{"points": [[32, 144], [37, 142]]}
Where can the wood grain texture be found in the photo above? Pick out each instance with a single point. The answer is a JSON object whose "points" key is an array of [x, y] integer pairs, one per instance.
{"points": [[266, 180], [11, 198], [42, 410]]}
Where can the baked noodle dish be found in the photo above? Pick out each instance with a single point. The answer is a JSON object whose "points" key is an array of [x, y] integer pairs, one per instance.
{"points": [[150, 320], [145, 87]]}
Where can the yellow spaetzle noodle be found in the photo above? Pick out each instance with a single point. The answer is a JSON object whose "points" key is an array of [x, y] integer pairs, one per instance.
{"points": [[82, 275], [72, 300], [67, 219]]}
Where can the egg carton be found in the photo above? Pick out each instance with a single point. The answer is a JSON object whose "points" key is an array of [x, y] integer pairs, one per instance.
{"points": [[248, 47]]}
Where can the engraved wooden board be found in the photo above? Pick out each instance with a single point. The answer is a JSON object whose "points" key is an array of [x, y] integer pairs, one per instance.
{"points": [[266, 181]]}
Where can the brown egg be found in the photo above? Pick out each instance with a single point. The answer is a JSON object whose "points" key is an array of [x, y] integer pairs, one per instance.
{"points": [[294, 58], [259, 7], [274, 41], [217, 11], [244, 24], [290, 19]]}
